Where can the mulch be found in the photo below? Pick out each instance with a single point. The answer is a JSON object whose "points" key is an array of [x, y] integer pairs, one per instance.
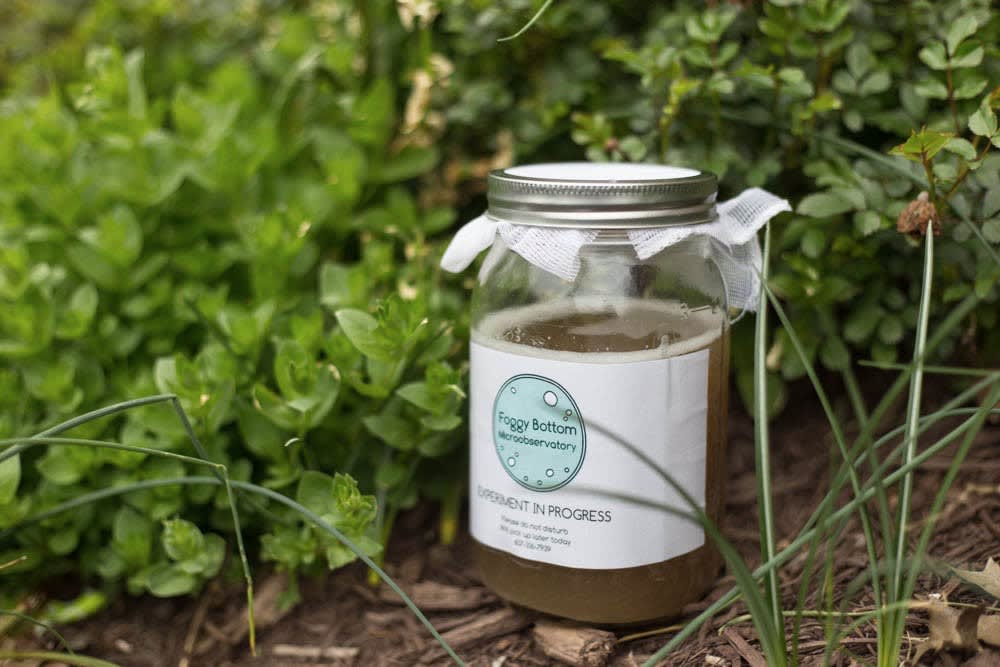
{"points": [[343, 620]]}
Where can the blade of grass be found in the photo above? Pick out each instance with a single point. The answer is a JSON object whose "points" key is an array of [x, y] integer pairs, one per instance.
{"points": [[893, 631], [847, 372], [762, 442], [531, 22], [939, 370], [838, 434], [52, 656], [41, 624]]}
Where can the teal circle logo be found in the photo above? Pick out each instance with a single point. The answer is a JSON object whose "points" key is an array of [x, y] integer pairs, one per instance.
{"points": [[538, 432]]}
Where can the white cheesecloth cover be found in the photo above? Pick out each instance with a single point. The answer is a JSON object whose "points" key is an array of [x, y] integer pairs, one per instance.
{"points": [[734, 247]]}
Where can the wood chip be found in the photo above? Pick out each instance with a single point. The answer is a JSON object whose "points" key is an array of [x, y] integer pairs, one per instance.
{"points": [[743, 647], [574, 645], [434, 596], [480, 629], [315, 652]]}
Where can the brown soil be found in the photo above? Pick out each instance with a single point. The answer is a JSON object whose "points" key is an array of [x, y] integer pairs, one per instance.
{"points": [[344, 621]]}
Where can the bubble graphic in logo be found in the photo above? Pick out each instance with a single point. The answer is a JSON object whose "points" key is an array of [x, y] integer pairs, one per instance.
{"points": [[542, 421]]}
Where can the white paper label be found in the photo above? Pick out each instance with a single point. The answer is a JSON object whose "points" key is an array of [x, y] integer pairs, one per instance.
{"points": [[547, 477]]}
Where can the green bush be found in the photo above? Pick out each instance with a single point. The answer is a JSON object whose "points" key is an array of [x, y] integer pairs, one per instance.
{"points": [[245, 206]]}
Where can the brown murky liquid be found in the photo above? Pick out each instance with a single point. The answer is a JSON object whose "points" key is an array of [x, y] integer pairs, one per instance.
{"points": [[632, 595]]}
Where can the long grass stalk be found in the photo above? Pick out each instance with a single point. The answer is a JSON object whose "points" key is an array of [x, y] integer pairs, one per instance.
{"points": [[762, 446], [932, 370], [527, 26], [42, 625], [891, 625], [836, 428]]}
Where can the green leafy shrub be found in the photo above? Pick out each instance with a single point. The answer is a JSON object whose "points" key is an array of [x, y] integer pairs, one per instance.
{"points": [[245, 207]]}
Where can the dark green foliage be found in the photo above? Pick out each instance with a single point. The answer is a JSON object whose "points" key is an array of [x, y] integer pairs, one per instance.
{"points": [[244, 204]]}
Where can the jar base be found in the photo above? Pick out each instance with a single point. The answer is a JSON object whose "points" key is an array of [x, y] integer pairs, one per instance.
{"points": [[610, 598]]}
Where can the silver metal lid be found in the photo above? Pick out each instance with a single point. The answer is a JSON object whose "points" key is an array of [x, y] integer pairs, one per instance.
{"points": [[606, 195]]}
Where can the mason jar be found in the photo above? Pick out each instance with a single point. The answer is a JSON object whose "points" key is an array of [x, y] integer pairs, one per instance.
{"points": [[598, 392]]}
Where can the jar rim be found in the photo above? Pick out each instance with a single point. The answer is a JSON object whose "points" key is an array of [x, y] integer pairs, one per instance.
{"points": [[602, 195]]}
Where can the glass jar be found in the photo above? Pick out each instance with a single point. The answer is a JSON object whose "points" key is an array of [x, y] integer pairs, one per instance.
{"points": [[598, 381]]}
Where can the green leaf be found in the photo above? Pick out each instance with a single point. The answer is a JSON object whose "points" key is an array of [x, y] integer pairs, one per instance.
{"points": [[372, 114], [991, 230], [420, 395], [274, 408], [935, 56], [867, 223], [969, 54], [859, 59], [991, 203], [166, 580], [441, 423], [877, 82], [316, 492], [392, 430], [922, 145], [66, 465], [890, 330], [824, 204], [931, 89], [182, 540], [294, 369], [132, 537], [410, 162], [10, 478], [984, 121], [341, 285], [834, 354], [360, 328], [971, 86], [75, 319], [861, 323], [813, 242], [963, 26], [961, 147], [390, 474]]}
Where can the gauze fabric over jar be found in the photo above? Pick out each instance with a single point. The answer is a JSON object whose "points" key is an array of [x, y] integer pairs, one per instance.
{"points": [[599, 383]]}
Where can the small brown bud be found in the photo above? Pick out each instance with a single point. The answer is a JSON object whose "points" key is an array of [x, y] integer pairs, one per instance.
{"points": [[611, 144], [917, 215]]}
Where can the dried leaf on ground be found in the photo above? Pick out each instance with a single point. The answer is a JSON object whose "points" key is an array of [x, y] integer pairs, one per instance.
{"points": [[950, 629], [988, 579], [989, 630]]}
